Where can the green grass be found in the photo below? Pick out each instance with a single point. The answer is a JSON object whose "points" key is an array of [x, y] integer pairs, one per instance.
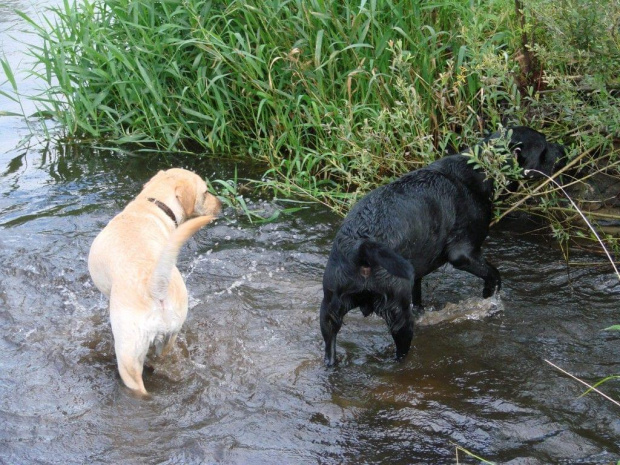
{"points": [[335, 98], [279, 79]]}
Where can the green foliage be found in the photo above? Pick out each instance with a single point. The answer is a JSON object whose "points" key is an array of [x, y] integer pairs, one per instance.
{"points": [[598, 383], [337, 97], [497, 161], [231, 193], [576, 37], [302, 84]]}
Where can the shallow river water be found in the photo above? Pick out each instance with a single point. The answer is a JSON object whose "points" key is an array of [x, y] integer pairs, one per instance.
{"points": [[246, 383]]}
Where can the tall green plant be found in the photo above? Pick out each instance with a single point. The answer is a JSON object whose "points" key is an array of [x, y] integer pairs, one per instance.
{"points": [[177, 73], [334, 97]]}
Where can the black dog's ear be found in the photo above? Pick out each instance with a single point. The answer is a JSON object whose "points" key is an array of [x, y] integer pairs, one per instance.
{"points": [[558, 155], [542, 158]]}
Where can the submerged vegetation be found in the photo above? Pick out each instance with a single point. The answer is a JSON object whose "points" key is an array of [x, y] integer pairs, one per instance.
{"points": [[337, 97]]}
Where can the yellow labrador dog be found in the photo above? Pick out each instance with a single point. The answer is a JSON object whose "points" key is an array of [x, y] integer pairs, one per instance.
{"points": [[133, 262]]}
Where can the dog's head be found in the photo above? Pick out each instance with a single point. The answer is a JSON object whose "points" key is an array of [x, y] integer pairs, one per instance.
{"points": [[533, 152], [192, 193], [187, 188]]}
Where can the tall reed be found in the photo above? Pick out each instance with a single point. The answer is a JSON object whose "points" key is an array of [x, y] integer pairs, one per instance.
{"points": [[333, 97]]}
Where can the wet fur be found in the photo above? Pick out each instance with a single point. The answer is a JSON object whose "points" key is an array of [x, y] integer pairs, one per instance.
{"points": [[402, 231], [133, 262]]}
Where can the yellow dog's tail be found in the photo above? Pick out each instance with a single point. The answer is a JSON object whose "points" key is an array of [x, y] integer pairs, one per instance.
{"points": [[160, 279]]}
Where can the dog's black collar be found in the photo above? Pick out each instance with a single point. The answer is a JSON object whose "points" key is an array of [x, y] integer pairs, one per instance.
{"points": [[166, 210]]}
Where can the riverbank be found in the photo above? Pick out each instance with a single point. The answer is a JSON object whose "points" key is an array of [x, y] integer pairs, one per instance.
{"points": [[334, 100]]}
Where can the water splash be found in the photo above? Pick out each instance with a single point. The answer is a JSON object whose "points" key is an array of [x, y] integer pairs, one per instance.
{"points": [[474, 308]]}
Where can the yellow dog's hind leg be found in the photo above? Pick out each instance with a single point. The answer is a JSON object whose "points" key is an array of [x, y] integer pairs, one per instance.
{"points": [[130, 366]]}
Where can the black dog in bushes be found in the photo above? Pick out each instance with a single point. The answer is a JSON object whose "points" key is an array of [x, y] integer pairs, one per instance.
{"points": [[402, 231]]}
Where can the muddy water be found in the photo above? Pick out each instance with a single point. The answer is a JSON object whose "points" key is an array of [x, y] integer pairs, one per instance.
{"points": [[246, 383]]}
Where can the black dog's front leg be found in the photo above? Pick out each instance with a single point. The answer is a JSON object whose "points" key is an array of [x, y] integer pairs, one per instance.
{"points": [[475, 264], [402, 340]]}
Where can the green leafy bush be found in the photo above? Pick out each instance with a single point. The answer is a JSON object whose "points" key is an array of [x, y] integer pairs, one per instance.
{"points": [[338, 97]]}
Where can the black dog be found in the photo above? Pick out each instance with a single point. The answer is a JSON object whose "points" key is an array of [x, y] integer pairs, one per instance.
{"points": [[404, 230]]}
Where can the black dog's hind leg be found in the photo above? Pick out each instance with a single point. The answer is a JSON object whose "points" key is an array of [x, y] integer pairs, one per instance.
{"points": [[475, 264], [416, 296], [400, 321], [331, 322]]}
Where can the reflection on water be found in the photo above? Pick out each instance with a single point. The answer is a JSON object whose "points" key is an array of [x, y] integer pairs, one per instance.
{"points": [[16, 40], [246, 383]]}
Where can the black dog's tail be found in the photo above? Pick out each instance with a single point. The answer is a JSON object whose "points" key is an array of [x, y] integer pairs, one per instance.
{"points": [[373, 254]]}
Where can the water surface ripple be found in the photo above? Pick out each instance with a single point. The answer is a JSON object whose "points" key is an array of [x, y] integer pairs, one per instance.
{"points": [[246, 383]]}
